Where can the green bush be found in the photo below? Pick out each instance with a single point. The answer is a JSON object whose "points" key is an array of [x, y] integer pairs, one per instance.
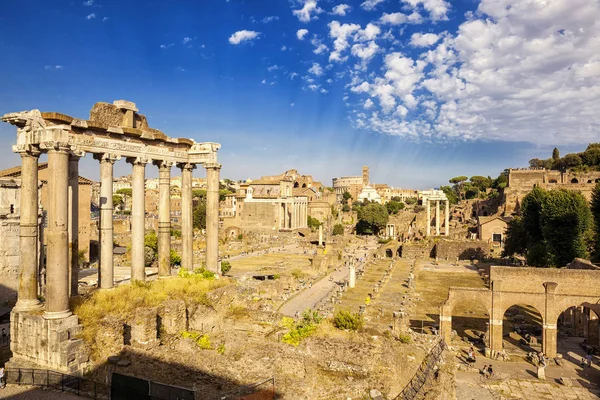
{"points": [[176, 233], [301, 329], [313, 223], [240, 236], [203, 341], [175, 258], [404, 338], [348, 320], [221, 349], [151, 240], [345, 208], [338, 229], [225, 267]]}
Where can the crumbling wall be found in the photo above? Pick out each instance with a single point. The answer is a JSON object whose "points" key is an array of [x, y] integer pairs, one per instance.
{"points": [[461, 250], [580, 263], [414, 250]]}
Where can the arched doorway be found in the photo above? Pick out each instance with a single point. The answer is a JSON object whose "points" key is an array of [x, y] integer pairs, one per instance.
{"points": [[574, 180], [470, 320], [522, 327], [578, 331], [389, 253]]}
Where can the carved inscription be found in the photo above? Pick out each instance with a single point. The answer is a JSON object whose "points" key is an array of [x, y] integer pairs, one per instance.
{"points": [[112, 145]]}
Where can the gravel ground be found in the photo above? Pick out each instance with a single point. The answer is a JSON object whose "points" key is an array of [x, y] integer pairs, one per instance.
{"points": [[33, 393]]}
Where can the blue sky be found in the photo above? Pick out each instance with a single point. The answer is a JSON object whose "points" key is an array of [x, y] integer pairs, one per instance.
{"points": [[419, 90]]}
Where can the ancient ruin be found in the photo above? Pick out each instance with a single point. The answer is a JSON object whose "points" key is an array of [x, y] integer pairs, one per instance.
{"points": [[112, 132]]}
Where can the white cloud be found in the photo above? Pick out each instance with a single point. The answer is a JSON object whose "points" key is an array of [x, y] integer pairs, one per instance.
{"points": [[314, 88], [365, 52], [104, 19], [370, 4], [91, 16], [323, 90], [186, 40], [515, 70], [283, 48], [301, 33], [393, 19], [320, 49], [271, 18], [273, 68], [166, 46], [293, 75], [340, 33], [341, 9], [368, 104], [316, 69], [437, 8], [53, 67], [180, 69], [424, 39], [88, 3], [243, 36], [310, 7], [369, 33], [292, 104]]}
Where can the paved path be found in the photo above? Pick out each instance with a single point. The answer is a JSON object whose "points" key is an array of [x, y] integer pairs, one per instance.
{"points": [[33, 393]]}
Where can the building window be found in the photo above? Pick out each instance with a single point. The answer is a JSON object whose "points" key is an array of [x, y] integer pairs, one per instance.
{"points": [[497, 237]]}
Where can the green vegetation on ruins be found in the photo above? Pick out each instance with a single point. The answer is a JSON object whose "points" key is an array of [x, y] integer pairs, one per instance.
{"points": [[577, 162]]}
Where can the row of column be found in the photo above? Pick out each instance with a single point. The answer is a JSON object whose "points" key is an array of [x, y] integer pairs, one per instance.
{"points": [[437, 218], [62, 231], [294, 215]]}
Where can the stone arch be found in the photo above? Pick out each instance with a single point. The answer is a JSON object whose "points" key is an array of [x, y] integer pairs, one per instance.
{"points": [[574, 180], [589, 181], [528, 322], [304, 186], [296, 185], [580, 321], [456, 296], [552, 181]]}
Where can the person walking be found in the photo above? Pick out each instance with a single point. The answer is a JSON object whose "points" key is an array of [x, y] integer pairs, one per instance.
{"points": [[2, 384]]}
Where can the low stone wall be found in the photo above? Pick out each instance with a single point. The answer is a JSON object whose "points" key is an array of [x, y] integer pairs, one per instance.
{"points": [[462, 250], [580, 263], [412, 251]]}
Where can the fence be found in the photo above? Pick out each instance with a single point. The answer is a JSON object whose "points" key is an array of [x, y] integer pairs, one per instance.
{"points": [[412, 391], [57, 381]]}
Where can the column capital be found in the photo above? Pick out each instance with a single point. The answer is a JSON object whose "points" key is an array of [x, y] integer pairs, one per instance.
{"points": [[76, 153], [216, 166], [27, 150], [55, 146], [107, 157], [137, 160], [186, 166], [163, 164]]}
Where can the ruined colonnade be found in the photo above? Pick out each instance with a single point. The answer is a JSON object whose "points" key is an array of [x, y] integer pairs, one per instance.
{"points": [[437, 196], [113, 132]]}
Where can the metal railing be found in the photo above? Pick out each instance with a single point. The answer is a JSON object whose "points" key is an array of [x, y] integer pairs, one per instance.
{"points": [[57, 381], [414, 388]]}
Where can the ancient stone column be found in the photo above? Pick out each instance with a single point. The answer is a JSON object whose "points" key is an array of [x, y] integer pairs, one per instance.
{"points": [[138, 214], [446, 328], [549, 328], [57, 266], [428, 218], [321, 235], [28, 235], [212, 216], [187, 228], [447, 219], [495, 335], [73, 223], [285, 216], [164, 218], [437, 218], [352, 278], [106, 271]]}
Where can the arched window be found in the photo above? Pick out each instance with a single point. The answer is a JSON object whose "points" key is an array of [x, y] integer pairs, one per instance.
{"points": [[574, 180]]}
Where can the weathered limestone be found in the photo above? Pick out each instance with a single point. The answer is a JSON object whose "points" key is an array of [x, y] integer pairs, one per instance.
{"points": [[106, 271], [187, 228], [138, 218], [426, 204], [212, 216], [320, 235], [57, 275], [173, 318], [28, 271], [74, 222], [352, 278], [437, 218], [164, 218], [144, 328], [447, 219]]}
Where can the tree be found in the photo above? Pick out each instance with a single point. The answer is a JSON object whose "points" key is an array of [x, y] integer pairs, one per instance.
{"points": [[175, 258], [313, 223], [458, 182], [516, 238], [225, 267], [338, 229], [151, 241], [595, 209], [345, 208], [410, 200], [393, 207], [346, 196], [555, 154], [199, 216], [201, 193], [458, 179], [450, 194], [481, 182], [117, 201], [223, 193], [397, 198], [372, 218]]}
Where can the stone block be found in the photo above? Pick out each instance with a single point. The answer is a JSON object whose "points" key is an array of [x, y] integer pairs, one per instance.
{"points": [[144, 328], [173, 317]]}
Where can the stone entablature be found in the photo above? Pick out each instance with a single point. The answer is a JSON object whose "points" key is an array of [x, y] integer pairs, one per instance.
{"points": [[549, 290], [427, 196]]}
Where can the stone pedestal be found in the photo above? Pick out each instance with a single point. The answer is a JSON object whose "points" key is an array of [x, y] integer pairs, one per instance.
{"points": [[144, 328], [47, 343], [541, 373], [321, 235], [212, 217], [173, 319], [352, 276]]}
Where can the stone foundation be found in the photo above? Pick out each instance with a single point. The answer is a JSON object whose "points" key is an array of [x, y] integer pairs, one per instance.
{"points": [[47, 343]]}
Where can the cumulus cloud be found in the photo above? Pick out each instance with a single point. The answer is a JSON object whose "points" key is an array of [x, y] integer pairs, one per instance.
{"points": [[301, 33], [393, 18], [53, 67], [515, 70], [341, 9], [316, 69], [437, 8], [166, 46], [88, 3], [243, 36], [424, 39], [365, 52], [91, 16], [283, 48], [370, 4], [186, 40], [309, 11], [340, 33]]}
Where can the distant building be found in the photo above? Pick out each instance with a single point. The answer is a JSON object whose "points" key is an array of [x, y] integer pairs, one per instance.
{"points": [[370, 194]]}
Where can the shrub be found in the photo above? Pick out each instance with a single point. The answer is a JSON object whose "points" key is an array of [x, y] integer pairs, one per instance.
{"points": [[338, 229], [225, 267], [175, 258], [348, 320], [313, 223], [383, 241], [203, 341], [345, 208], [221, 349], [404, 338], [151, 240], [149, 256], [240, 236], [301, 329], [298, 274], [176, 233]]}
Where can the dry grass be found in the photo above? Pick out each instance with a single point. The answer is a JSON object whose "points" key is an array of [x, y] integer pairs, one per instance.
{"points": [[271, 263]]}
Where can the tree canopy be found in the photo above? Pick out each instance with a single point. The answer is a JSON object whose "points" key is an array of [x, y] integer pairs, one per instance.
{"points": [[394, 206], [372, 218]]}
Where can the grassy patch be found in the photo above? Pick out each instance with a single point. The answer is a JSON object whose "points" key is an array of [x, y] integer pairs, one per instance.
{"points": [[301, 329], [348, 320], [202, 340]]}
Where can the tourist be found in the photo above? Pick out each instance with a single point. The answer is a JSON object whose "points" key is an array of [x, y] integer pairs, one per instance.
{"points": [[588, 359], [2, 384], [490, 371], [484, 371]]}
